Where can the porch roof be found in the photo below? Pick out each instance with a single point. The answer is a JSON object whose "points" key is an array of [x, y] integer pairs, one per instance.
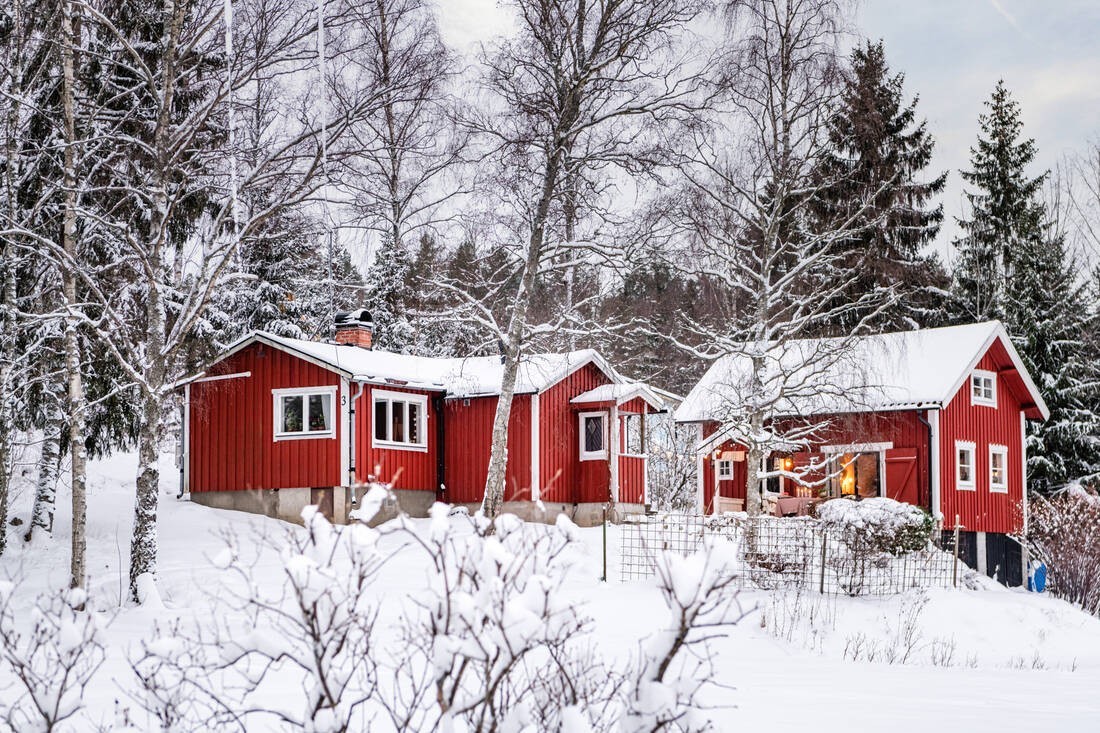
{"points": [[620, 393]]}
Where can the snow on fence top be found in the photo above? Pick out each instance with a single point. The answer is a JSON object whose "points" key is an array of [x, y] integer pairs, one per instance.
{"points": [[904, 369]]}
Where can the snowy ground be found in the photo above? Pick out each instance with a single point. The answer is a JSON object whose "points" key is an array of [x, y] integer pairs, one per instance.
{"points": [[1014, 661]]}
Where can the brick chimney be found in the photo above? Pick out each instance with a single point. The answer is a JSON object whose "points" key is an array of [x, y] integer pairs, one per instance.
{"points": [[355, 328]]}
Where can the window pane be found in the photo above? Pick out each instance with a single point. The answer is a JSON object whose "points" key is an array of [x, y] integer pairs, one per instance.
{"points": [[397, 422], [997, 469], [593, 434], [292, 415], [965, 465], [320, 413], [381, 420], [414, 423], [633, 429]]}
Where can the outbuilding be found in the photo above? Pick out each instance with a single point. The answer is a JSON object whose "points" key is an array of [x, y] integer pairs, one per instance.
{"points": [[933, 417]]}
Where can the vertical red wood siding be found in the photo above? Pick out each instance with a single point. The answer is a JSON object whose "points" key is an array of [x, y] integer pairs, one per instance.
{"points": [[232, 427], [903, 429], [468, 441], [563, 476], [981, 510], [407, 469], [631, 480]]}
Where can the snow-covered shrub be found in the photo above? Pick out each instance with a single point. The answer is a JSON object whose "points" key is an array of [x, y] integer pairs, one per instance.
{"points": [[878, 524], [50, 665], [1064, 533], [316, 627]]}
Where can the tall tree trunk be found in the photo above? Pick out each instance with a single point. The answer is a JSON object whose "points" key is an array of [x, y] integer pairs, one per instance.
{"points": [[70, 38], [49, 466], [517, 328], [143, 545]]}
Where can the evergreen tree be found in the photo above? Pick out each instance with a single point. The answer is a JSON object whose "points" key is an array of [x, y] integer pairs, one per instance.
{"points": [[1045, 308], [387, 294], [1006, 215], [878, 151]]}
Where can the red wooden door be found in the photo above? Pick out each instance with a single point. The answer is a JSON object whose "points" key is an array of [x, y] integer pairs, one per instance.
{"points": [[901, 475]]}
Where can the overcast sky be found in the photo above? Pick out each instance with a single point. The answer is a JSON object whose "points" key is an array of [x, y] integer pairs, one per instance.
{"points": [[952, 53]]}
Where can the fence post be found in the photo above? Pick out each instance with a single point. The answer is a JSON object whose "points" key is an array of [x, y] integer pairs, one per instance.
{"points": [[955, 567], [604, 578], [821, 579]]}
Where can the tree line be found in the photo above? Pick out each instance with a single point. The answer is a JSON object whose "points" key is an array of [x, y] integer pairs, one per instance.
{"points": [[176, 174]]}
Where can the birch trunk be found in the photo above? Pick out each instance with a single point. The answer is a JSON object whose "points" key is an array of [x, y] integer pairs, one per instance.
{"points": [[49, 467], [517, 327], [76, 404]]}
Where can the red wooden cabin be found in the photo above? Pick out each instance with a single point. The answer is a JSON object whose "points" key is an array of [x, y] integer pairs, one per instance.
{"points": [[278, 423], [941, 426]]}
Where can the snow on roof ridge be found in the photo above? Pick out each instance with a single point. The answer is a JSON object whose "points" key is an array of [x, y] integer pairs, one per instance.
{"points": [[896, 369]]}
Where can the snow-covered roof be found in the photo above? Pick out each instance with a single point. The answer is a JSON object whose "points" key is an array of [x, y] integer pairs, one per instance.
{"points": [[890, 371], [620, 393], [467, 377]]}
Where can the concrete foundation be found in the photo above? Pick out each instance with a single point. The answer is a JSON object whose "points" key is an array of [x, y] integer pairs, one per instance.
{"points": [[587, 514], [284, 504]]}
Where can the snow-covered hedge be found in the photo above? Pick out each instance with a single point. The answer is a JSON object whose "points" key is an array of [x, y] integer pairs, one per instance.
{"points": [[878, 523]]}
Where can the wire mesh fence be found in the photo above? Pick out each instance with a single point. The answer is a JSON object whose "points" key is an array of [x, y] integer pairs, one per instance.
{"points": [[787, 552]]}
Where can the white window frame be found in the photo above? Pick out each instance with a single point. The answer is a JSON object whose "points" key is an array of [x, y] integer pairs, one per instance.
{"points": [[1002, 451], [389, 396], [970, 447], [976, 396], [305, 393], [723, 469], [600, 455]]}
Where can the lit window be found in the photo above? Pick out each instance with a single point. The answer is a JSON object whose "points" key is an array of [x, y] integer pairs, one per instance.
{"points": [[998, 469], [964, 466], [304, 413], [399, 420], [593, 428], [983, 388], [724, 469]]}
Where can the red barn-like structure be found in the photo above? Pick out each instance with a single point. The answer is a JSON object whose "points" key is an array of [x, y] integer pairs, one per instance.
{"points": [[932, 417], [278, 423]]}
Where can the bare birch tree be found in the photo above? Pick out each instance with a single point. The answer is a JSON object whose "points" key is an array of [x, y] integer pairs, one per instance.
{"points": [[754, 217], [576, 88]]}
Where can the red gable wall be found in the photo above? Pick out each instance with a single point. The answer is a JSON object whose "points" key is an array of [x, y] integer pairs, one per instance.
{"points": [[981, 510], [564, 477], [232, 427]]}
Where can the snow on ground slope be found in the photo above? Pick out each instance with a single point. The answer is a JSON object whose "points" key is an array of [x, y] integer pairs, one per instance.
{"points": [[1007, 660]]}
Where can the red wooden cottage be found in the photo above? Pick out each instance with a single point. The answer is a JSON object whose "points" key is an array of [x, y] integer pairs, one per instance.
{"points": [[934, 417], [278, 423]]}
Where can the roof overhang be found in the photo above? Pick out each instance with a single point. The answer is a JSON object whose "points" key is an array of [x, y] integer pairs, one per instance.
{"points": [[620, 393], [1038, 409]]}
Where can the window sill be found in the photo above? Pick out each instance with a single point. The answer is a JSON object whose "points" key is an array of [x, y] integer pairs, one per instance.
{"points": [[304, 436], [998, 489], [965, 487], [602, 456], [388, 445], [983, 403]]}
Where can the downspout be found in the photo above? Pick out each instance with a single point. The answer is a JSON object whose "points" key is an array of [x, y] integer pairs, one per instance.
{"points": [[185, 441], [933, 425], [440, 435], [351, 438]]}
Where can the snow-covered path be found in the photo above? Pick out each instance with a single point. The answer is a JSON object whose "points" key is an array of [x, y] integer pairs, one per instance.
{"points": [[997, 636]]}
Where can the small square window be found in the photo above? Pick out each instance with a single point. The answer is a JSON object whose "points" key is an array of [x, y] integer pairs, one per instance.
{"points": [[723, 469], [998, 469], [983, 388], [304, 413], [593, 429], [964, 466]]}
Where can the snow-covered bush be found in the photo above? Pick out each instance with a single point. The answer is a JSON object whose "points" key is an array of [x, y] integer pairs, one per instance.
{"points": [[50, 664], [878, 524], [1064, 533]]}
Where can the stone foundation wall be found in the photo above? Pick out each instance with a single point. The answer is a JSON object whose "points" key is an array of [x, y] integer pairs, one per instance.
{"points": [[284, 504]]}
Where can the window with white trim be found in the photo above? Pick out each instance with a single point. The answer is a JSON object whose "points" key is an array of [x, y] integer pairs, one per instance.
{"points": [[983, 388], [723, 469], [964, 465], [593, 435], [998, 469], [304, 412], [400, 420]]}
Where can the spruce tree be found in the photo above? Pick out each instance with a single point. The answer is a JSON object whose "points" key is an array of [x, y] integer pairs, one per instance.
{"points": [[875, 166], [1046, 312], [387, 296], [1006, 215]]}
